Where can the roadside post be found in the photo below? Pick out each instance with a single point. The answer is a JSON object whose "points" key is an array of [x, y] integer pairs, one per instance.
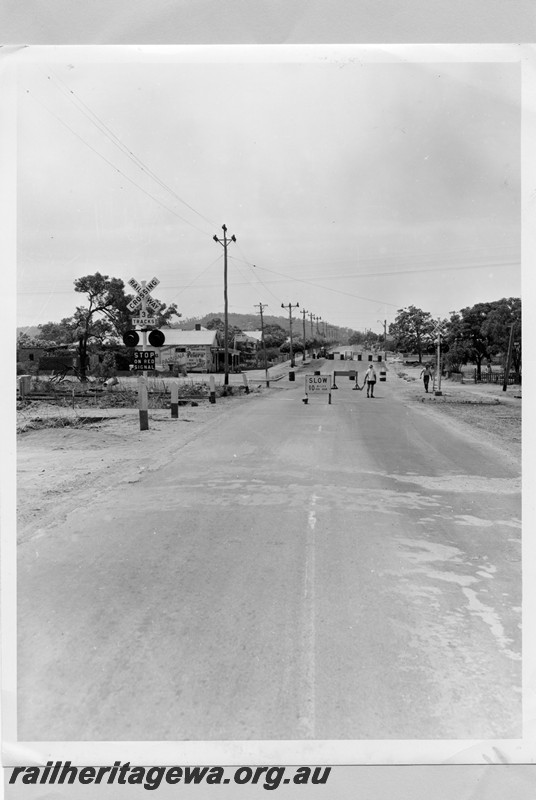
{"points": [[175, 400], [143, 403], [25, 382], [246, 384], [508, 357], [317, 384], [438, 332], [438, 391], [212, 384]]}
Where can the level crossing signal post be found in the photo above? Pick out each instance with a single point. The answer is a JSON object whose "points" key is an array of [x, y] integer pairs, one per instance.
{"points": [[145, 322]]}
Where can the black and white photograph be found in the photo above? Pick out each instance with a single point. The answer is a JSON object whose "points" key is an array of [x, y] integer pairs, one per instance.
{"points": [[269, 363]]}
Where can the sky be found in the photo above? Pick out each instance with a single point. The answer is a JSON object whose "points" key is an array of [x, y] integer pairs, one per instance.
{"points": [[356, 183]]}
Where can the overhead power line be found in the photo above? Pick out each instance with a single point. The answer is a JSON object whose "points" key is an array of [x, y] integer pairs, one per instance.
{"points": [[113, 166], [114, 138], [324, 288]]}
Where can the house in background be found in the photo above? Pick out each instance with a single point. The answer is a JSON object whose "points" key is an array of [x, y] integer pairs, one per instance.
{"points": [[248, 344], [200, 350]]}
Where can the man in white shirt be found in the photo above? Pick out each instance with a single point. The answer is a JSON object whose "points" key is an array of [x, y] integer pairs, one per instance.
{"points": [[370, 380]]}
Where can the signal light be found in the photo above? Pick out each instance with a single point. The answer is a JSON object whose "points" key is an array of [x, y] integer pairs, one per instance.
{"points": [[156, 338], [131, 338]]}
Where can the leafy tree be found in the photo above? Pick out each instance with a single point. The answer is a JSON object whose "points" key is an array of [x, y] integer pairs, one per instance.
{"points": [[297, 346], [357, 337], [453, 343], [496, 328], [274, 335], [482, 331], [216, 324], [63, 332], [25, 340], [475, 338], [412, 330]]}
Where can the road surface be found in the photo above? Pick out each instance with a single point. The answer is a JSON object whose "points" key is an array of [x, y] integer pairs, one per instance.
{"points": [[343, 571]]}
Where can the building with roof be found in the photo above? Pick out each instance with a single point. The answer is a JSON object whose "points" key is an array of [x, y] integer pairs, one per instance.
{"points": [[198, 350]]}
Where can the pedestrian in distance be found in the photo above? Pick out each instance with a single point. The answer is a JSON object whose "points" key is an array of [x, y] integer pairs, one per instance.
{"points": [[426, 374], [370, 380]]}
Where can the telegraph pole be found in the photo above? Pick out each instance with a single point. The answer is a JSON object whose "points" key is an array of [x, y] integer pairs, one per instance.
{"points": [[384, 323], [508, 357], [290, 307], [304, 312], [311, 317], [225, 243], [438, 358], [261, 307]]}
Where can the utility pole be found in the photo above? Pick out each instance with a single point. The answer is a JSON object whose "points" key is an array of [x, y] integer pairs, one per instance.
{"points": [[311, 317], [290, 307], [438, 390], [261, 307], [225, 243], [303, 312], [384, 323], [438, 358], [509, 356], [317, 321]]}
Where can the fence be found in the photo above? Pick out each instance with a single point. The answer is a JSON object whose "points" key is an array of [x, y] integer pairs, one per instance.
{"points": [[497, 377]]}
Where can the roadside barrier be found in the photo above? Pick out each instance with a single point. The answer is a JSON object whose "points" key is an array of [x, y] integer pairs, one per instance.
{"points": [[351, 373]]}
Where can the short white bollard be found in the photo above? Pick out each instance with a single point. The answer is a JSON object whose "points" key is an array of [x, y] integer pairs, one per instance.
{"points": [[175, 400], [143, 403]]}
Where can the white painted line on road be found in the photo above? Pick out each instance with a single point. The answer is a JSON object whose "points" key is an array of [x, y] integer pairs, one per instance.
{"points": [[309, 627]]}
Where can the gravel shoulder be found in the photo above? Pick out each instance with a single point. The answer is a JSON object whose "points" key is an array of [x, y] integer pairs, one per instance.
{"points": [[89, 452], [482, 411]]}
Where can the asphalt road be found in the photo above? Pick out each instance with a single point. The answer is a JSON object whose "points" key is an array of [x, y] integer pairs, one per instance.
{"points": [[343, 571]]}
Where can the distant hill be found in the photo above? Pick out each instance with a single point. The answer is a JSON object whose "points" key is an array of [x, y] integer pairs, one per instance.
{"points": [[31, 330], [246, 322]]}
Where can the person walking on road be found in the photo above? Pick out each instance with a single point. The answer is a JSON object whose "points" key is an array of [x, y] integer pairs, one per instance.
{"points": [[370, 380], [426, 374]]}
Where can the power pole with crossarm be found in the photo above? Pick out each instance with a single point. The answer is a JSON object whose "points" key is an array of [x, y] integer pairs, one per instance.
{"points": [[225, 243], [290, 307], [304, 312], [261, 307]]}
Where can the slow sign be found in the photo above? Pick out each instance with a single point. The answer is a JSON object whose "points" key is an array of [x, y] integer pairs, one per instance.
{"points": [[317, 383]]}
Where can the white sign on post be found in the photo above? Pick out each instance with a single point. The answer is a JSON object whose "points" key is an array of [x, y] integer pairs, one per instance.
{"points": [[317, 383], [144, 294], [144, 321]]}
